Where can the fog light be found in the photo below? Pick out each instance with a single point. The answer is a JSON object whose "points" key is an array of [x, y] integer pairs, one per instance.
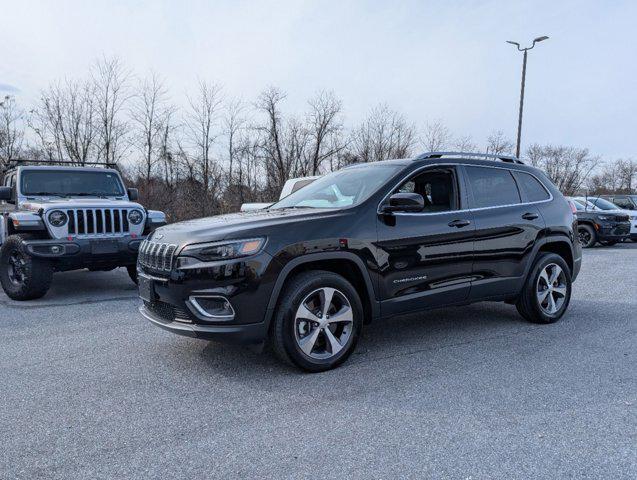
{"points": [[57, 249], [214, 307]]}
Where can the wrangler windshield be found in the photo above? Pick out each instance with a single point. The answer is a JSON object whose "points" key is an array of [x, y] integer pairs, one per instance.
{"points": [[343, 188], [70, 183]]}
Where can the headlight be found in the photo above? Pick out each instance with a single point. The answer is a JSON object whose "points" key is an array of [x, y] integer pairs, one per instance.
{"points": [[605, 218], [58, 218], [209, 252], [135, 217]]}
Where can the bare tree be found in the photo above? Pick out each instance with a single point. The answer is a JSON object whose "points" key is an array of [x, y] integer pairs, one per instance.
{"points": [[436, 137], [498, 143], [234, 124], [11, 130], [464, 144], [149, 111], [383, 135], [201, 123], [112, 93], [615, 177], [64, 121], [567, 167], [326, 129]]}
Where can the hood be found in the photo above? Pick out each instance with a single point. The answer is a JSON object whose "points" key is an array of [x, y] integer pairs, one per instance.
{"points": [[236, 225], [84, 202]]}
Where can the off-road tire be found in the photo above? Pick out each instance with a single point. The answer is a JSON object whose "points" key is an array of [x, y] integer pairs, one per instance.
{"points": [[132, 273], [38, 272], [528, 305], [591, 235], [282, 332]]}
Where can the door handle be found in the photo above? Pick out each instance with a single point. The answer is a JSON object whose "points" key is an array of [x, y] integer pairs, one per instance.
{"points": [[530, 216], [459, 223]]}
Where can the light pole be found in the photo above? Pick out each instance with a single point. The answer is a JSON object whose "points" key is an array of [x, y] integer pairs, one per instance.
{"points": [[525, 50]]}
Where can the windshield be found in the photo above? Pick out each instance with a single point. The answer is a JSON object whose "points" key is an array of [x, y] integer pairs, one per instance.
{"points": [[584, 203], [70, 183], [604, 204], [344, 188]]}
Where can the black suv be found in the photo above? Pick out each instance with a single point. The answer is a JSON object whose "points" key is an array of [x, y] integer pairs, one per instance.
{"points": [[368, 241]]}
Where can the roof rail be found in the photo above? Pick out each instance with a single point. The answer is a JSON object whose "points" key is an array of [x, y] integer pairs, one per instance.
{"points": [[473, 155], [23, 161]]}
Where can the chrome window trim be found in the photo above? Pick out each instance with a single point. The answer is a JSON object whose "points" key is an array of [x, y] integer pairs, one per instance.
{"points": [[406, 177]]}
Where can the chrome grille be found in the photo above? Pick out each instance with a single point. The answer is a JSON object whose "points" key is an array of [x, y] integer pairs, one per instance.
{"points": [[156, 256], [98, 221]]}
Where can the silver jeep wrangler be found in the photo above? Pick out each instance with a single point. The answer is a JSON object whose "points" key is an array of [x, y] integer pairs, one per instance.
{"points": [[59, 218]]}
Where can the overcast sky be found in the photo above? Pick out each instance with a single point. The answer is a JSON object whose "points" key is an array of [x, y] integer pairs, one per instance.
{"points": [[427, 59]]}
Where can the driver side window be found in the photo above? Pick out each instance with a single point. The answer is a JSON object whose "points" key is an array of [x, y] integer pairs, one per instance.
{"points": [[437, 187]]}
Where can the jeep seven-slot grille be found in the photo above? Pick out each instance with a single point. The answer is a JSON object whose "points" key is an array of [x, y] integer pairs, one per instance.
{"points": [[98, 221], [156, 256]]}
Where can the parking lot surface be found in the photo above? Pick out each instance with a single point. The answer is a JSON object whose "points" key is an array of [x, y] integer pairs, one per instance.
{"points": [[88, 389]]}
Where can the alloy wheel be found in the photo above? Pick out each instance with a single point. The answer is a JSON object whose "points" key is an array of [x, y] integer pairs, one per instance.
{"points": [[323, 323], [584, 236], [551, 288], [16, 266]]}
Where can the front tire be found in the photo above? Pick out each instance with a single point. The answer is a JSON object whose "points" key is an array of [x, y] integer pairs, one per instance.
{"points": [[22, 276], [318, 321], [547, 290], [587, 235], [132, 273]]}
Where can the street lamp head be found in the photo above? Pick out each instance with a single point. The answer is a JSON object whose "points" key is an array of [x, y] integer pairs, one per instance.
{"points": [[540, 39], [513, 43]]}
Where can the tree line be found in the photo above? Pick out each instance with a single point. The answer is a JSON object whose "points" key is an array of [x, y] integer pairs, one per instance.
{"points": [[216, 152]]}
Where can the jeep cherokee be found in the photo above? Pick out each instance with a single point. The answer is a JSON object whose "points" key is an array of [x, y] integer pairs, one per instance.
{"points": [[368, 241]]}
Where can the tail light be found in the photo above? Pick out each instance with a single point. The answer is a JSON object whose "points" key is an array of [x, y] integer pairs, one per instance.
{"points": [[571, 204]]}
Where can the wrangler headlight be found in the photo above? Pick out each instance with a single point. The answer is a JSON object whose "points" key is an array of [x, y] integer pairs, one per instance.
{"points": [[224, 250], [58, 218], [135, 217]]}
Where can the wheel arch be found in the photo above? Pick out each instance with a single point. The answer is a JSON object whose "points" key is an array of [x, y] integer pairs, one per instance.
{"points": [[346, 264]]}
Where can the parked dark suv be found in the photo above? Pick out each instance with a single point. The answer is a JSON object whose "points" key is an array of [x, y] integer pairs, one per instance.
{"points": [[368, 241]]}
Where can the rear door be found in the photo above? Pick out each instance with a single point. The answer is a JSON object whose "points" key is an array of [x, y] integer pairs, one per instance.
{"points": [[507, 226], [425, 258]]}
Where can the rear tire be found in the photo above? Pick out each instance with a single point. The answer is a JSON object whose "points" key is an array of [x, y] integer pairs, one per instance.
{"points": [[547, 290], [22, 276], [587, 235], [132, 273], [303, 334]]}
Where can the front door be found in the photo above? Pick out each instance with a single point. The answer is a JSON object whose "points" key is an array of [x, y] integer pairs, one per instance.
{"points": [[425, 258]]}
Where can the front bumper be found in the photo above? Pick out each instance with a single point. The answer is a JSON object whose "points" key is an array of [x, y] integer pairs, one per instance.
{"points": [[252, 333], [246, 284], [613, 231], [87, 251]]}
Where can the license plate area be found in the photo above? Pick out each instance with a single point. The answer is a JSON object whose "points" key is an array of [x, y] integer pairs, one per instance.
{"points": [[102, 247], [146, 288]]}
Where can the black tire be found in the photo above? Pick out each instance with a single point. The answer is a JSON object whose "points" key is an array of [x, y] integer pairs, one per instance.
{"points": [[587, 235], [608, 243], [33, 277], [284, 330], [528, 304], [132, 273]]}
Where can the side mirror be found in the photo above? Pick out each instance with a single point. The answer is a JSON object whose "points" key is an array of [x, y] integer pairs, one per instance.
{"points": [[133, 194], [6, 194], [405, 202]]}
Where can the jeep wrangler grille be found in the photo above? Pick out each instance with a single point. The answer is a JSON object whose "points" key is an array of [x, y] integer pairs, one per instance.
{"points": [[156, 256], [98, 221]]}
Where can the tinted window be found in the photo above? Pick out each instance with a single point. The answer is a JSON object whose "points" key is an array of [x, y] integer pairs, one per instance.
{"points": [[623, 202], [437, 188], [602, 204], [492, 187], [535, 191]]}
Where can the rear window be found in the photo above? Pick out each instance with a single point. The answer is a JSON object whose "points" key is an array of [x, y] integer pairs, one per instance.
{"points": [[492, 187], [535, 191]]}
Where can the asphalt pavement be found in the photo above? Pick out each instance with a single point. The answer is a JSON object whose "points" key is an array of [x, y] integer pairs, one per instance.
{"points": [[89, 389]]}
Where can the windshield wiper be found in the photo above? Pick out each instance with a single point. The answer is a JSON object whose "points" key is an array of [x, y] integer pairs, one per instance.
{"points": [[291, 207], [46, 194]]}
